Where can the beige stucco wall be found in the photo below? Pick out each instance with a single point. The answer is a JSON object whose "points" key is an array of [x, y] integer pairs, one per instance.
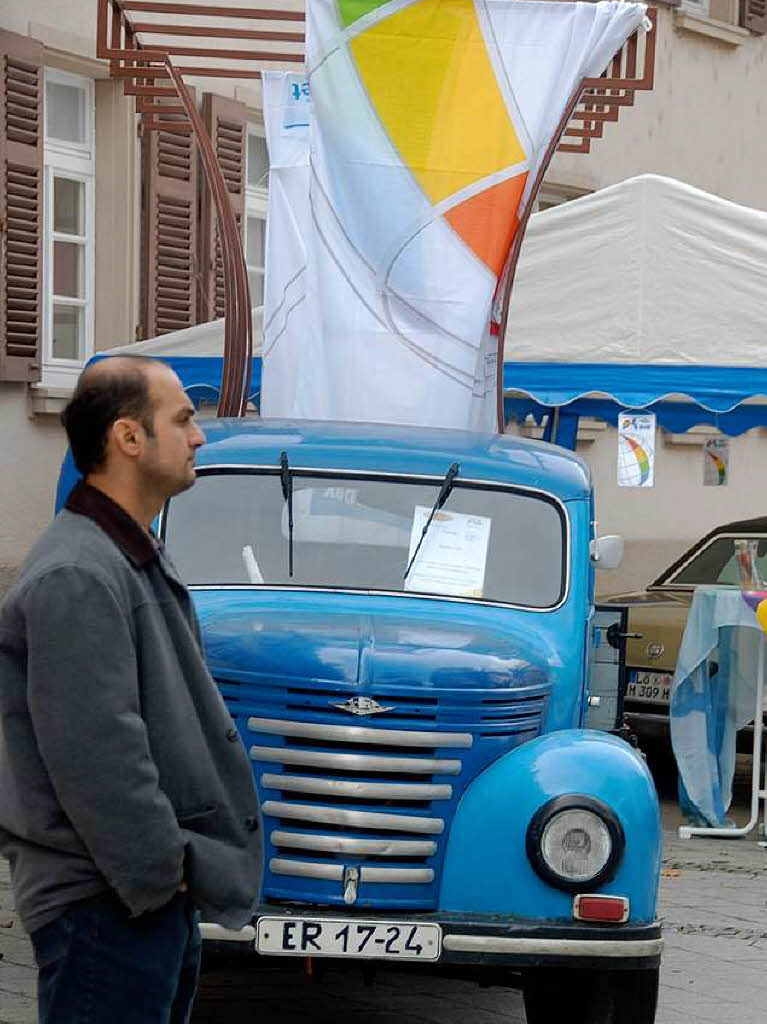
{"points": [[30, 460], [703, 123]]}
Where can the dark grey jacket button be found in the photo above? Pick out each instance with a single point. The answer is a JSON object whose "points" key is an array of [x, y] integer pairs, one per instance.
{"points": [[231, 735], [251, 824]]}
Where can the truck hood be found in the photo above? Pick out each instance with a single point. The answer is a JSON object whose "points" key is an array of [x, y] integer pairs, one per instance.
{"points": [[249, 642]]}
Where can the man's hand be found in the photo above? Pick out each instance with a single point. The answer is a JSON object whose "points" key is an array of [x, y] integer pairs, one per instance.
{"points": [[183, 887]]}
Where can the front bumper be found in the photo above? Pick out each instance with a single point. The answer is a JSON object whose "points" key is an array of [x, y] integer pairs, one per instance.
{"points": [[492, 941]]}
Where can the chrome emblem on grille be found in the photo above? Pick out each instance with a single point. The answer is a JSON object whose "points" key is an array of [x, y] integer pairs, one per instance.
{"points": [[362, 706], [655, 650]]}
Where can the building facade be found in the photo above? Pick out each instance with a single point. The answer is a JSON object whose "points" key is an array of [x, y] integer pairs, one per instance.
{"points": [[109, 235]]}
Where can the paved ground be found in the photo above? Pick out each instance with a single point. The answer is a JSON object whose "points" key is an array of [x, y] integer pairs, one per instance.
{"points": [[714, 909]]}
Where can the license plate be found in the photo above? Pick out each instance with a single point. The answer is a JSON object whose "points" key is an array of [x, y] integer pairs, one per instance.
{"points": [[324, 936], [650, 686]]}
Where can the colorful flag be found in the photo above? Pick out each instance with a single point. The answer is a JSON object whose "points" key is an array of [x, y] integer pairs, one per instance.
{"points": [[429, 120]]}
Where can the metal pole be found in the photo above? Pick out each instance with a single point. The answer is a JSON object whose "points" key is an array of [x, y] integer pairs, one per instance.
{"points": [[238, 328], [513, 256]]}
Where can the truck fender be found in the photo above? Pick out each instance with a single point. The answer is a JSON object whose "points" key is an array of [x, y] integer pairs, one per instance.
{"points": [[487, 868]]}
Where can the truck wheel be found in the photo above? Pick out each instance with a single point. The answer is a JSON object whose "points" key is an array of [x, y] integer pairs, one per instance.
{"points": [[590, 997]]}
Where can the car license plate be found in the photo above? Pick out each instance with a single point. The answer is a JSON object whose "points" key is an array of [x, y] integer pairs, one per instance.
{"points": [[325, 936], [649, 686]]}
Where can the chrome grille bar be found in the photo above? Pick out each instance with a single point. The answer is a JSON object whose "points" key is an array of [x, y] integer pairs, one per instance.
{"points": [[356, 762], [335, 872], [358, 790], [355, 819], [394, 875], [359, 847], [302, 869], [359, 734]]}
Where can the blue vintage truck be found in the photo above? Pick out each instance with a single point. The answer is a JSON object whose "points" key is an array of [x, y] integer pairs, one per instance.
{"points": [[402, 625]]}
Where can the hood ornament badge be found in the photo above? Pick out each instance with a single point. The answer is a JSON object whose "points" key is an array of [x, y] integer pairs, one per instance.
{"points": [[361, 706]]}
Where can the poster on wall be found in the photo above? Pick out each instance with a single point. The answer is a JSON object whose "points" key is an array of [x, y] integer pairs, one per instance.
{"points": [[716, 462], [636, 449]]}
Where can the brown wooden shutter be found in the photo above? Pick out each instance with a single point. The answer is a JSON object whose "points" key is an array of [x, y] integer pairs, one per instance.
{"points": [[21, 208], [169, 231], [754, 15], [227, 124]]}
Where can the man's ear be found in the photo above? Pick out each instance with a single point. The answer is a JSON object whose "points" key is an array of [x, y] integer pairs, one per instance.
{"points": [[127, 436]]}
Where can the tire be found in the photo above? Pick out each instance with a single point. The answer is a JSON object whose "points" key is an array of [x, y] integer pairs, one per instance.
{"points": [[590, 997]]}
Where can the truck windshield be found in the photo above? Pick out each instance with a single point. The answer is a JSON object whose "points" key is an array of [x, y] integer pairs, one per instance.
{"points": [[358, 532]]}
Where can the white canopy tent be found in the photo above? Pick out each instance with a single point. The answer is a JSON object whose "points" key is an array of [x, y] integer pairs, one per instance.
{"points": [[196, 354], [641, 293]]}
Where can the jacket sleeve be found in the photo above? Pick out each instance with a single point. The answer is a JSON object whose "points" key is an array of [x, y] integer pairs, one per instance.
{"points": [[84, 700]]}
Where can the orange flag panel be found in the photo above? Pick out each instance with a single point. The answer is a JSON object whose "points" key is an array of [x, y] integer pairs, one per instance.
{"points": [[487, 222]]}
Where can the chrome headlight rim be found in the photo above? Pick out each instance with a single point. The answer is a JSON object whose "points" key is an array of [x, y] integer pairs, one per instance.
{"points": [[574, 802]]}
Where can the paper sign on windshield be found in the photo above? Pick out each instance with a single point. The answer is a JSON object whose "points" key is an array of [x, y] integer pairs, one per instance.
{"points": [[453, 555]]}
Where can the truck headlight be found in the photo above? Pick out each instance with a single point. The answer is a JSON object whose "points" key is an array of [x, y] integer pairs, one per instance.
{"points": [[575, 842]]}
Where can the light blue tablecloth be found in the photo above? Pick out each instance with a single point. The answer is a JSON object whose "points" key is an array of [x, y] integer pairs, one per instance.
{"points": [[709, 706]]}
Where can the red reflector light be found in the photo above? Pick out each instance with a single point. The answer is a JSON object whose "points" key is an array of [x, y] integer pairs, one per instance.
{"points": [[614, 909]]}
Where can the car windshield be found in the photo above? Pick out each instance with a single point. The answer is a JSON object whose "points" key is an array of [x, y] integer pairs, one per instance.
{"points": [[359, 531], [716, 564]]}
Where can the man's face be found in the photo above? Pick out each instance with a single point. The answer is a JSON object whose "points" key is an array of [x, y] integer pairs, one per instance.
{"points": [[167, 459]]}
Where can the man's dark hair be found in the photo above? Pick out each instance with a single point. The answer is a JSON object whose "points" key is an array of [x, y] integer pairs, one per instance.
{"points": [[105, 392]]}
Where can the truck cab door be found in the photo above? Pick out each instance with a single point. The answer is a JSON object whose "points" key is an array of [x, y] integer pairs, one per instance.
{"points": [[607, 676]]}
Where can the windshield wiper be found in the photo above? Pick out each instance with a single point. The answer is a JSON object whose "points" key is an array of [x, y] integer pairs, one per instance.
{"points": [[286, 479], [444, 493]]}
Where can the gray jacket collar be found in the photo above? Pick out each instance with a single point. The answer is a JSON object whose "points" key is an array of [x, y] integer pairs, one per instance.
{"points": [[139, 546]]}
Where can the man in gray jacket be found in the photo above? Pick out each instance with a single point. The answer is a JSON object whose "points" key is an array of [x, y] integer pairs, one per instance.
{"points": [[127, 802]]}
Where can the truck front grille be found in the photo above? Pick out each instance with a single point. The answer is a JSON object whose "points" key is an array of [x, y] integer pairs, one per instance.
{"points": [[374, 798]]}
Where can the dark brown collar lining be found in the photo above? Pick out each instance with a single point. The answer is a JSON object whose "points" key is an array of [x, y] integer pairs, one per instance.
{"points": [[114, 521]]}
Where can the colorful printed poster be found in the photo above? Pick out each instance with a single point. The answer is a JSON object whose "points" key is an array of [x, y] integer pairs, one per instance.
{"points": [[453, 555], [636, 450], [716, 462]]}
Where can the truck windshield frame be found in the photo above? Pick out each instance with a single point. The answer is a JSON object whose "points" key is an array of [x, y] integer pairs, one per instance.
{"points": [[349, 476]]}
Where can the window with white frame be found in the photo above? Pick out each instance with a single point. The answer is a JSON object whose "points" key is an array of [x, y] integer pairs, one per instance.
{"points": [[256, 201], [68, 258]]}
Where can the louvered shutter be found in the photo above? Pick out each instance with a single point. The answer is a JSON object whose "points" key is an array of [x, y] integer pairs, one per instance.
{"points": [[754, 15], [21, 208], [169, 231], [226, 122]]}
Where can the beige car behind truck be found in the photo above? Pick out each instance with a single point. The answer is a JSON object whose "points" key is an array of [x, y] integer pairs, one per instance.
{"points": [[657, 617]]}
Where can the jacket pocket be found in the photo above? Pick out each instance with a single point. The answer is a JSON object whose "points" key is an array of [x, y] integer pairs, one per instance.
{"points": [[198, 819]]}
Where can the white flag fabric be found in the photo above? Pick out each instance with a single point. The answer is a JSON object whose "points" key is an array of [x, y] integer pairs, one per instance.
{"points": [[392, 214]]}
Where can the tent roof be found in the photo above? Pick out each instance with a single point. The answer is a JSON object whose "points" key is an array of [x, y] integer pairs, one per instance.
{"points": [[645, 290]]}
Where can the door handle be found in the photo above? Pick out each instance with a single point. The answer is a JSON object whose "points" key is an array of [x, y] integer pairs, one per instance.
{"points": [[614, 635]]}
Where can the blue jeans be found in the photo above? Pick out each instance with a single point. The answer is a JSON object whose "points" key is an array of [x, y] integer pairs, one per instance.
{"points": [[98, 965]]}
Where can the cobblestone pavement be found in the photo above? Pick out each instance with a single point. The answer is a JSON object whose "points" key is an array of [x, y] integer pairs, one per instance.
{"points": [[714, 910]]}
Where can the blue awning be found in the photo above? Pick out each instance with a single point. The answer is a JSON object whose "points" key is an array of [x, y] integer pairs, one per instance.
{"points": [[634, 386]]}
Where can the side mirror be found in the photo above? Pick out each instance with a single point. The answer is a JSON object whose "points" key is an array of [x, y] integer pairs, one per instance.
{"points": [[607, 552]]}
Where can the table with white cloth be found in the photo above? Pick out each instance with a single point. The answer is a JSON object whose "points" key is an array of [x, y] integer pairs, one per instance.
{"points": [[718, 680]]}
